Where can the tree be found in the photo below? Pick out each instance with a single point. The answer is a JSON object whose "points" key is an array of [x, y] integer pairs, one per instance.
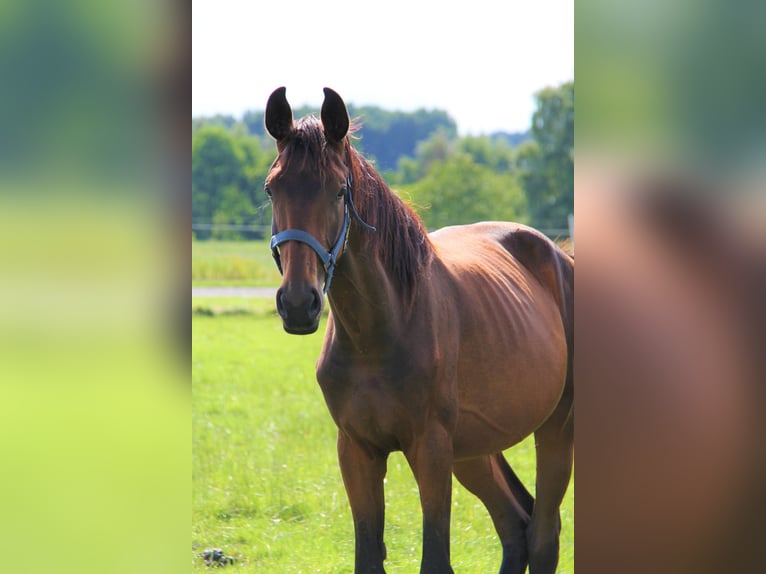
{"points": [[234, 208], [222, 120], [547, 162], [388, 136], [458, 190], [451, 180], [227, 175], [491, 152], [437, 148]]}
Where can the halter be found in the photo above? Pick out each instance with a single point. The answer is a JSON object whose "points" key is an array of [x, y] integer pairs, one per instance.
{"points": [[329, 258]]}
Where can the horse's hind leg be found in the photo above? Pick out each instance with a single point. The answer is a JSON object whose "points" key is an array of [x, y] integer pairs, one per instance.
{"points": [[554, 442], [492, 480]]}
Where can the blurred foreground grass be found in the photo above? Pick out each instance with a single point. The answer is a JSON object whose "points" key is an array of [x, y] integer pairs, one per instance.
{"points": [[94, 400]]}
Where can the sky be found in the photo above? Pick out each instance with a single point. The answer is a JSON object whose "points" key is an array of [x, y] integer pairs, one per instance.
{"points": [[480, 60]]}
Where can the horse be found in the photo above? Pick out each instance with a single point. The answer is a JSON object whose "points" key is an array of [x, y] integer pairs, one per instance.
{"points": [[450, 346]]}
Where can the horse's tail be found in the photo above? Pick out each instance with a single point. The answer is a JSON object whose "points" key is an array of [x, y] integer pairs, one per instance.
{"points": [[519, 491]]}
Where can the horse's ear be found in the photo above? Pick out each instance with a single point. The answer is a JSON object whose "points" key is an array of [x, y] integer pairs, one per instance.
{"points": [[334, 117], [279, 115]]}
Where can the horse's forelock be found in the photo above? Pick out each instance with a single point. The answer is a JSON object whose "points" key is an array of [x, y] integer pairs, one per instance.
{"points": [[307, 149]]}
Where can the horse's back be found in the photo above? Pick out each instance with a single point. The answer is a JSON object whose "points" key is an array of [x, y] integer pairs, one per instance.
{"points": [[466, 248], [512, 292]]}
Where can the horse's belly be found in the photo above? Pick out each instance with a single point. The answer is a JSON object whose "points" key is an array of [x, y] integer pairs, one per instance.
{"points": [[506, 392], [481, 431], [479, 435]]}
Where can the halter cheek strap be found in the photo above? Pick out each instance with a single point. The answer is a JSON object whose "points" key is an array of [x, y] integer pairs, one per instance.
{"points": [[349, 200], [329, 258]]}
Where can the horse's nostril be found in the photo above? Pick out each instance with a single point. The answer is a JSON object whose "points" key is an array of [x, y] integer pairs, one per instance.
{"points": [[316, 304], [281, 305]]}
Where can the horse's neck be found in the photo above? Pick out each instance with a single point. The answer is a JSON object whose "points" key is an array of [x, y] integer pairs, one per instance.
{"points": [[364, 297], [373, 292]]}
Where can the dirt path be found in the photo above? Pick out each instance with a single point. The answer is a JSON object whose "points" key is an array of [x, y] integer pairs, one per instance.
{"points": [[234, 292]]}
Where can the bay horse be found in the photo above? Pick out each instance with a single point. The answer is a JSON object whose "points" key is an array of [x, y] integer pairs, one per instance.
{"points": [[449, 347]]}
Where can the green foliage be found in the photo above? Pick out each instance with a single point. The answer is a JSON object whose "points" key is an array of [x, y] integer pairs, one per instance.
{"points": [[460, 190], [527, 177], [220, 120], [388, 136], [464, 180], [228, 171], [438, 148], [385, 136], [547, 162], [494, 153]]}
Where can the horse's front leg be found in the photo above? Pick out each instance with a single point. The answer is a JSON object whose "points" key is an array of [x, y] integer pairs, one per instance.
{"points": [[430, 457], [363, 474]]}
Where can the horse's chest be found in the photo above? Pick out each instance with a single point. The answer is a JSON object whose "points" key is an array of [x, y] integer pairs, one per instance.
{"points": [[372, 403]]}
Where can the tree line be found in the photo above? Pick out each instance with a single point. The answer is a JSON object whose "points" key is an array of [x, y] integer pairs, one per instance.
{"points": [[448, 179]]}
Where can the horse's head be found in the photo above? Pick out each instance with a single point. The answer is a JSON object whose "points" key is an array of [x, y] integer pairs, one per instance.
{"points": [[308, 185]]}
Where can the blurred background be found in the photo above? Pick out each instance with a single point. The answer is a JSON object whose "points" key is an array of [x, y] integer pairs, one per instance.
{"points": [[669, 179], [94, 327]]}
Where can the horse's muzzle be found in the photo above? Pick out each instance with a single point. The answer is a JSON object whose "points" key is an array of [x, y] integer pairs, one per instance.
{"points": [[300, 307]]}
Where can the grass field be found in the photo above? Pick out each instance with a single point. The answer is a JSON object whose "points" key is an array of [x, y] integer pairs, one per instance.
{"points": [[241, 263], [233, 263], [266, 484]]}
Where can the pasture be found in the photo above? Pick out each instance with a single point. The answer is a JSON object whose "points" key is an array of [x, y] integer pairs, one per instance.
{"points": [[243, 263], [266, 484]]}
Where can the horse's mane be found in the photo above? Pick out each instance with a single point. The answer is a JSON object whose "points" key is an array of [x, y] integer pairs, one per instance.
{"points": [[401, 242]]}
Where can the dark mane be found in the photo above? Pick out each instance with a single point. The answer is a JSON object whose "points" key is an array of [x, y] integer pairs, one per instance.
{"points": [[401, 241]]}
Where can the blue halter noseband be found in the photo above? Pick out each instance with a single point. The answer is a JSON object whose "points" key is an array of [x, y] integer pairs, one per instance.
{"points": [[329, 258]]}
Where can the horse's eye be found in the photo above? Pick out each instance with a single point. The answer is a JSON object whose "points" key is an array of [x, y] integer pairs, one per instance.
{"points": [[341, 193], [267, 189]]}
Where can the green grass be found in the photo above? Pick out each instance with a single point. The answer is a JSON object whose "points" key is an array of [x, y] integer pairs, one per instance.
{"points": [[266, 484], [235, 263], [262, 307]]}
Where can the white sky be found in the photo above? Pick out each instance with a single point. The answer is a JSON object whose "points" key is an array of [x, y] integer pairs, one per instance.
{"points": [[479, 60]]}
